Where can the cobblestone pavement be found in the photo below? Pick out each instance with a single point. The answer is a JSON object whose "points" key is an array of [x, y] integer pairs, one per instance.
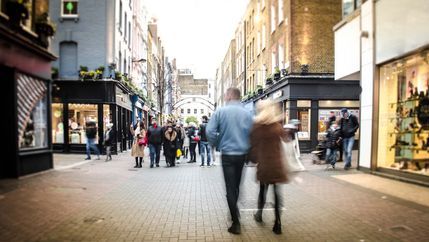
{"points": [[110, 201]]}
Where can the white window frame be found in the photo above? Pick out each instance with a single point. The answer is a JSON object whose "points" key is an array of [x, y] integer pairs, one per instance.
{"points": [[69, 15], [264, 36], [258, 43], [281, 51], [280, 11], [273, 18]]}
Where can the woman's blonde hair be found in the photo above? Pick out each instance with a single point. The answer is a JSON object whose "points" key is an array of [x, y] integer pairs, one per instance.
{"points": [[268, 112]]}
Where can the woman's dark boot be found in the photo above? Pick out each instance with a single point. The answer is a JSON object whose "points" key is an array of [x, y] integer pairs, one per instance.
{"points": [[277, 229], [140, 163], [137, 163], [258, 216]]}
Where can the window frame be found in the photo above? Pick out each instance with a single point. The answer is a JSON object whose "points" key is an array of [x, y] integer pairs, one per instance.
{"points": [[70, 16]]}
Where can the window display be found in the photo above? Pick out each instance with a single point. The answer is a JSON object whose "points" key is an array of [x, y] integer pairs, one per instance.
{"points": [[324, 115], [35, 134], [79, 115], [304, 126], [57, 123], [107, 116], [404, 115]]}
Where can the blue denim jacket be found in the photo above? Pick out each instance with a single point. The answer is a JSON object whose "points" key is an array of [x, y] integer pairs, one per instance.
{"points": [[229, 129]]}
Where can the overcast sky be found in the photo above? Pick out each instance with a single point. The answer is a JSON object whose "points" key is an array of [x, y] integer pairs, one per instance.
{"points": [[197, 32]]}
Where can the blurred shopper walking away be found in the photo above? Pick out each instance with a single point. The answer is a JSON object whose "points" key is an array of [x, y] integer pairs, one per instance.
{"points": [[349, 124], [139, 142], [205, 147], [193, 140], [91, 137], [229, 130], [266, 151], [170, 146], [154, 137], [109, 137]]}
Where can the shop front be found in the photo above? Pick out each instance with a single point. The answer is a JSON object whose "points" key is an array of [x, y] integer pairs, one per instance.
{"points": [[403, 117], [75, 103], [310, 99], [25, 68]]}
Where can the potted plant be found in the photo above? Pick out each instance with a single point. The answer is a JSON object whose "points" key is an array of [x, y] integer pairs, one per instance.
{"points": [[100, 70], [54, 73], [44, 29], [17, 11], [118, 76], [285, 72], [269, 81], [276, 74], [259, 89]]}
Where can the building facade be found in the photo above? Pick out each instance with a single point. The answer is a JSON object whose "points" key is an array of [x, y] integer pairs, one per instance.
{"points": [[194, 99], [388, 56], [25, 67], [95, 74], [289, 57]]}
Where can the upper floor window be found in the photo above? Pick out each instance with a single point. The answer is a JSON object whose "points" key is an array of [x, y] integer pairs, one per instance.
{"points": [[120, 15], [349, 6], [280, 11], [273, 18], [69, 8]]}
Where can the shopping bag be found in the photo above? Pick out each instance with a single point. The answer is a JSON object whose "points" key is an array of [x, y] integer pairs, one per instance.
{"points": [[290, 159], [178, 153]]}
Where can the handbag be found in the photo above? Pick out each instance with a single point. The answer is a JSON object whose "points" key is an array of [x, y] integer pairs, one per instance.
{"points": [[178, 153], [292, 163], [197, 138], [142, 141]]}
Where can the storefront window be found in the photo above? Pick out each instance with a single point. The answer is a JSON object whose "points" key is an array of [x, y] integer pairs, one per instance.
{"points": [[79, 115], [107, 116], [304, 126], [35, 134], [403, 140], [323, 121], [57, 123]]}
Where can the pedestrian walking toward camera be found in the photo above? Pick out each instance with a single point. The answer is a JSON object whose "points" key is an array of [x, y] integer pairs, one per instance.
{"points": [[154, 137], [266, 151], [333, 140], [186, 143], [204, 144], [180, 140], [109, 137], [91, 137], [139, 143], [229, 129], [349, 124], [170, 146], [193, 140]]}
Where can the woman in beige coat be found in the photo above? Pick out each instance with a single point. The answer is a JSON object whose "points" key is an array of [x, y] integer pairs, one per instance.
{"points": [[137, 151], [265, 150]]}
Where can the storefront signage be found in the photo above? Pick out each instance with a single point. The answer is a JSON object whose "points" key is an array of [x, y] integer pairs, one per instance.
{"points": [[123, 99], [278, 94]]}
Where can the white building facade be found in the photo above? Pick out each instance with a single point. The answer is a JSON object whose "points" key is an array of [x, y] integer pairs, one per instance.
{"points": [[390, 56]]}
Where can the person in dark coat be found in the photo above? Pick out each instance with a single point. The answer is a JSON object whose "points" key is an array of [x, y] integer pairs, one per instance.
{"points": [[170, 146], [333, 139], [266, 151], [193, 134], [154, 137], [91, 137], [349, 124]]}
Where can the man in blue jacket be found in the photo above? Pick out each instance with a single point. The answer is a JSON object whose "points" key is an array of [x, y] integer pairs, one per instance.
{"points": [[229, 130]]}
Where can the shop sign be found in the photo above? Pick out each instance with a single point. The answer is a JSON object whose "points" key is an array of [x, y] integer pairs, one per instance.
{"points": [[278, 94], [123, 99]]}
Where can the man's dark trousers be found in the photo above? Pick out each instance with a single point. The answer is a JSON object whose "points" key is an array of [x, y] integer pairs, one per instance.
{"points": [[232, 169]]}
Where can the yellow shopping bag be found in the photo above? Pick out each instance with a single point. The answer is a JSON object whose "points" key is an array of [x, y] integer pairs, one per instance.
{"points": [[178, 153]]}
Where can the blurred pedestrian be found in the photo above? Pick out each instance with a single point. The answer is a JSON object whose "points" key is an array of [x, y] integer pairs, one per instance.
{"points": [[154, 137], [109, 137], [170, 146], [139, 142], [180, 139], [266, 151], [204, 144], [91, 137], [229, 129]]}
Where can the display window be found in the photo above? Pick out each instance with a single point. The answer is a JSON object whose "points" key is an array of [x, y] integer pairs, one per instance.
{"points": [[304, 116], [57, 123], [323, 120], [35, 134], [79, 115], [403, 138], [107, 116]]}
